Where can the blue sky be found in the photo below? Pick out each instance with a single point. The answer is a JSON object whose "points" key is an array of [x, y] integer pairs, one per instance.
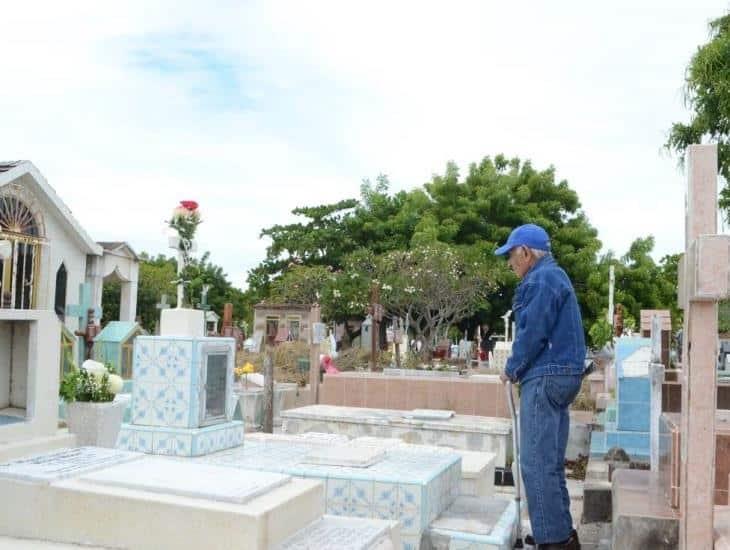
{"points": [[254, 108]]}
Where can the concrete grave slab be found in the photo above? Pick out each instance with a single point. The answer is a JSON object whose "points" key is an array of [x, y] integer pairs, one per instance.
{"points": [[160, 475], [475, 523], [81, 511]]}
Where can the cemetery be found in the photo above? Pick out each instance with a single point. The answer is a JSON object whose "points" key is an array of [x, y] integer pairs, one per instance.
{"points": [[370, 389], [393, 458]]}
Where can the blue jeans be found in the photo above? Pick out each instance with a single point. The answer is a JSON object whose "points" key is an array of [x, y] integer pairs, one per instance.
{"points": [[544, 423]]}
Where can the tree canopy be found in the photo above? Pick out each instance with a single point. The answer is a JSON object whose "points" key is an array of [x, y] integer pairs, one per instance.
{"points": [[473, 215], [157, 276], [707, 93]]}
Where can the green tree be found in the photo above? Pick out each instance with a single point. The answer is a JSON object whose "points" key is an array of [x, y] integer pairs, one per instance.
{"points": [[480, 211], [707, 93], [640, 282], [435, 286], [156, 277], [496, 196]]}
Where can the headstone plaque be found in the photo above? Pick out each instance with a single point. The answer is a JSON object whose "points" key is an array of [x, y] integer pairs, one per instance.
{"points": [[337, 533], [429, 414], [64, 463], [345, 455]]}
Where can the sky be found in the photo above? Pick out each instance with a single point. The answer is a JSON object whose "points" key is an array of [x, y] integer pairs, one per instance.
{"points": [[255, 108]]}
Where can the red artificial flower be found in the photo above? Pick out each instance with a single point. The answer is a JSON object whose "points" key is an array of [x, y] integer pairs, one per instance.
{"points": [[189, 205]]}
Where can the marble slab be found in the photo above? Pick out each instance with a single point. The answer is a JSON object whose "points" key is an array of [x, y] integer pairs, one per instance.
{"points": [[187, 479], [345, 455], [429, 414], [338, 533], [64, 463]]}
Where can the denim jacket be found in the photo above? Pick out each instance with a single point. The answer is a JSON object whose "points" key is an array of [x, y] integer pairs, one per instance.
{"points": [[549, 331]]}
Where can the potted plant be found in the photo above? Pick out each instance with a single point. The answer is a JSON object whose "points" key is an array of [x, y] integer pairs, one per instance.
{"points": [[92, 413]]}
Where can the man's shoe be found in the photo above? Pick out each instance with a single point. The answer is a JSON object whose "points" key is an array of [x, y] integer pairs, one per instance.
{"points": [[571, 544]]}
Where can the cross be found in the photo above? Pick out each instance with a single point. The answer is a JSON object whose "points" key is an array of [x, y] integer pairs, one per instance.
{"points": [[81, 312], [204, 306], [703, 281], [163, 303]]}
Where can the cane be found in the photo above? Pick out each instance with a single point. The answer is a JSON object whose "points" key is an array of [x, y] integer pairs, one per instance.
{"points": [[516, 462]]}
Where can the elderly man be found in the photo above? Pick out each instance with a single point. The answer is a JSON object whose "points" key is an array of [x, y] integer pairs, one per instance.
{"points": [[547, 360]]}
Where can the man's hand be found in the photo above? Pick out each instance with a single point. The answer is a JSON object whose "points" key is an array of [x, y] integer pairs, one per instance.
{"points": [[503, 377]]}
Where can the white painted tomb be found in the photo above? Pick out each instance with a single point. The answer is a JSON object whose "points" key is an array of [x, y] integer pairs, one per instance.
{"points": [[29, 379], [171, 503]]}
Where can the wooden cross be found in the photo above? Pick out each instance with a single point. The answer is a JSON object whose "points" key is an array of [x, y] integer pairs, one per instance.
{"points": [[81, 312], [377, 316], [703, 281]]}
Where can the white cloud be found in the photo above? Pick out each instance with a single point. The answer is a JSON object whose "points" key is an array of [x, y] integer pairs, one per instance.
{"points": [[255, 108]]}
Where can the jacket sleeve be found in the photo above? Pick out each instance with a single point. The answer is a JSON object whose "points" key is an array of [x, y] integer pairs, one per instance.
{"points": [[538, 312]]}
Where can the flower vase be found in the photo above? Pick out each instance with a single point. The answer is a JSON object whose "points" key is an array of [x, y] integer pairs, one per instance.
{"points": [[95, 424]]}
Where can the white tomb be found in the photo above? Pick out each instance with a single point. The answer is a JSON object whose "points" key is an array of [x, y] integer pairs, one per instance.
{"points": [[29, 379]]}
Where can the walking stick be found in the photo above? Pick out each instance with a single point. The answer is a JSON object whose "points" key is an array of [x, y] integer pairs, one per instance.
{"points": [[516, 462]]}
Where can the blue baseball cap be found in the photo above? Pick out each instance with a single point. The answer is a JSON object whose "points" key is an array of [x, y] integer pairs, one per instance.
{"points": [[529, 235]]}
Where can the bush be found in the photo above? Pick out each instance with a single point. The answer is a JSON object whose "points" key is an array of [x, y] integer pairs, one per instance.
{"points": [[600, 333]]}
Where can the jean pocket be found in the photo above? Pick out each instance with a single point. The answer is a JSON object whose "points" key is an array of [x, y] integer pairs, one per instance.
{"points": [[562, 389]]}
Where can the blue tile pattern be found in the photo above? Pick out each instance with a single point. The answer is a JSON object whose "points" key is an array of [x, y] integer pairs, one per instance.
{"points": [[413, 486], [180, 441], [627, 425], [168, 380]]}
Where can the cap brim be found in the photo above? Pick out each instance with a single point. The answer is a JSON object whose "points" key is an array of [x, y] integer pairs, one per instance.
{"points": [[502, 250]]}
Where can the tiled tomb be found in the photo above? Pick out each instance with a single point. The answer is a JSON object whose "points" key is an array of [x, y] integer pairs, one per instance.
{"points": [[182, 398], [411, 485], [473, 433], [199, 505], [627, 424], [477, 468]]}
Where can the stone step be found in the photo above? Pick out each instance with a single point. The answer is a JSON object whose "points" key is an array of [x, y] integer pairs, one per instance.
{"points": [[344, 533], [474, 523], [642, 517]]}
